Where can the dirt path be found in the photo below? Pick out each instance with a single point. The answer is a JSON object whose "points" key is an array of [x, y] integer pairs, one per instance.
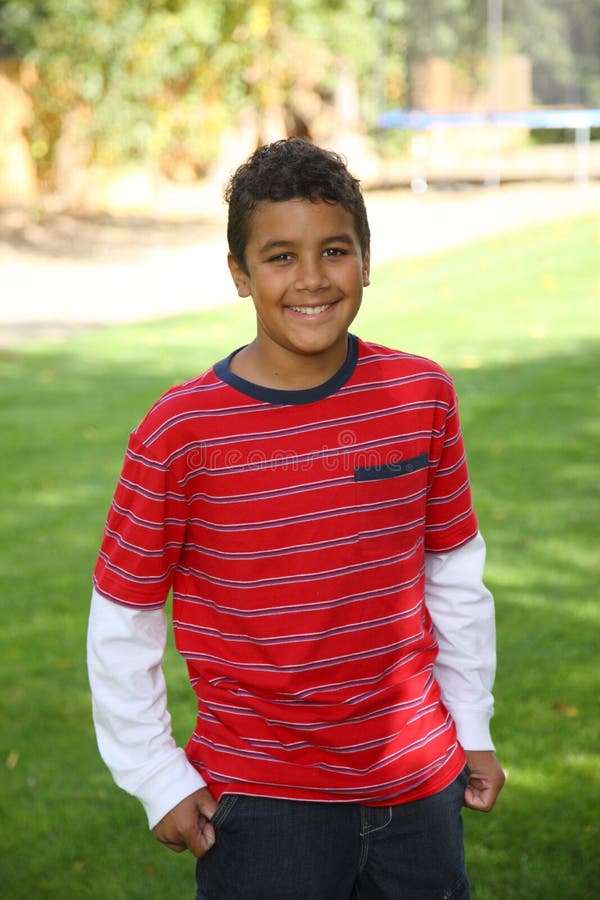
{"points": [[64, 274]]}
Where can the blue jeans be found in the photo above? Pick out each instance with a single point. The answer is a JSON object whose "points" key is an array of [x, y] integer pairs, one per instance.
{"points": [[286, 850]]}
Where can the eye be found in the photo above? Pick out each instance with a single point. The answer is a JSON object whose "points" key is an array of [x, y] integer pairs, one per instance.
{"points": [[280, 258], [335, 251]]}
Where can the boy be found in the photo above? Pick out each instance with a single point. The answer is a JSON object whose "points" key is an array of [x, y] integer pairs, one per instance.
{"points": [[307, 501]]}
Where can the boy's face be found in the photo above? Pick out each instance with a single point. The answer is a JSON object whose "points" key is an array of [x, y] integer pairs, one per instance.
{"points": [[305, 275]]}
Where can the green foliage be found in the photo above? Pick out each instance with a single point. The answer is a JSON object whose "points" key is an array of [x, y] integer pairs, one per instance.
{"points": [[565, 61], [514, 321], [446, 28], [160, 80], [450, 29], [142, 76], [153, 80]]}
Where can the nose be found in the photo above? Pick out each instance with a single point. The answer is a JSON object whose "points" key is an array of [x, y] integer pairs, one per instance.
{"points": [[311, 276]]}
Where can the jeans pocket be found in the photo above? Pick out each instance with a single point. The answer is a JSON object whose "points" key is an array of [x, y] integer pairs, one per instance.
{"points": [[464, 776], [226, 804]]}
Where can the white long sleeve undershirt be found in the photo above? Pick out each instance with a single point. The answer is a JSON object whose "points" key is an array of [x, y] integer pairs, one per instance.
{"points": [[126, 646], [125, 649], [463, 616]]}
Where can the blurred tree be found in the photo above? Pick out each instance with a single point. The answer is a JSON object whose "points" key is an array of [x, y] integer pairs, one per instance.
{"points": [[450, 29], [146, 73], [562, 39], [160, 79]]}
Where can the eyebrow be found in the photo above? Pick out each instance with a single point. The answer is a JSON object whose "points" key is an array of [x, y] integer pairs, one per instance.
{"points": [[273, 245], [269, 246]]}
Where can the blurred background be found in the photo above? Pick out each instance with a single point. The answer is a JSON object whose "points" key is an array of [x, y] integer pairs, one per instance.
{"points": [[106, 102], [120, 121], [473, 125]]}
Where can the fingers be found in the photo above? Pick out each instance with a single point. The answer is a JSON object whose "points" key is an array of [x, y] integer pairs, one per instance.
{"points": [[175, 846], [201, 837], [187, 825], [480, 799], [486, 780]]}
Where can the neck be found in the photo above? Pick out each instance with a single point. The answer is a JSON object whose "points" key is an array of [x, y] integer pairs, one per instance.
{"points": [[287, 372]]}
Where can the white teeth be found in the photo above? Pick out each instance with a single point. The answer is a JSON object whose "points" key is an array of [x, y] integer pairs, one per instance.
{"points": [[311, 310]]}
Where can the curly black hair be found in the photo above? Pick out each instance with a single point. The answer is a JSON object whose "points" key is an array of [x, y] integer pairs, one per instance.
{"points": [[290, 169]]}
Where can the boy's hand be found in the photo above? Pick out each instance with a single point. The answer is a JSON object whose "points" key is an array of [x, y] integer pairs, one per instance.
{"points": [[485, 781], [187, 825]]}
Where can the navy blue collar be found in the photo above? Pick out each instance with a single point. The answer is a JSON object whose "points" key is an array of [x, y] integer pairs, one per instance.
{"points": [[222, 370]]}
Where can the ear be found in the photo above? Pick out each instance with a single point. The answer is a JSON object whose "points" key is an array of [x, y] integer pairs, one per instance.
{"points": [[240, 279], [366, 269]]}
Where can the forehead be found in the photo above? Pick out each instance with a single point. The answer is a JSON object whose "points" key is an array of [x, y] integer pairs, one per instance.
{"points": [[299, 219]]}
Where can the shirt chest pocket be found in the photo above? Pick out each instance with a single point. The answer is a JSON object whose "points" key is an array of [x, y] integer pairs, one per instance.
{"points": [[391, 469], [390, 501]]}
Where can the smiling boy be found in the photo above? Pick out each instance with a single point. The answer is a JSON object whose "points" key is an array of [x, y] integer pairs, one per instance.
{"points": [[305, 270], [307, 502]]}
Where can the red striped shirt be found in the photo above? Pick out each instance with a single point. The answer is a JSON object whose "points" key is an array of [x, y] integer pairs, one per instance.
{"points": [[291, 528]]}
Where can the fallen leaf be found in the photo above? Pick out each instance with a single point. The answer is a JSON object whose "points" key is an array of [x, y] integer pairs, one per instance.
{"points": [[571, 711], [12, 760]]}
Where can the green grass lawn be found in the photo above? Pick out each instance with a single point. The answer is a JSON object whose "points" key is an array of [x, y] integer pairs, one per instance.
{"points": [[515, 320]]}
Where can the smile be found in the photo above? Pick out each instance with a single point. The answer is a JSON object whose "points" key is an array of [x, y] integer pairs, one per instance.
{"points": [[311, 310]]}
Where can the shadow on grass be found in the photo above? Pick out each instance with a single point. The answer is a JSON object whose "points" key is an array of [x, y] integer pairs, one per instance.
{"points": [[85, 237], [532, 435], [530, 431]]}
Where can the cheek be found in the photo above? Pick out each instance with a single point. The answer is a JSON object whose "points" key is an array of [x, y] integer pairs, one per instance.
{"points": [[356, 274], [272, 288], [355, 282]]}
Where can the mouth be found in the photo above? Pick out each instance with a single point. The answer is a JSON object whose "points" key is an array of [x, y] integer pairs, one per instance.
{"points": [[311, 312]]}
